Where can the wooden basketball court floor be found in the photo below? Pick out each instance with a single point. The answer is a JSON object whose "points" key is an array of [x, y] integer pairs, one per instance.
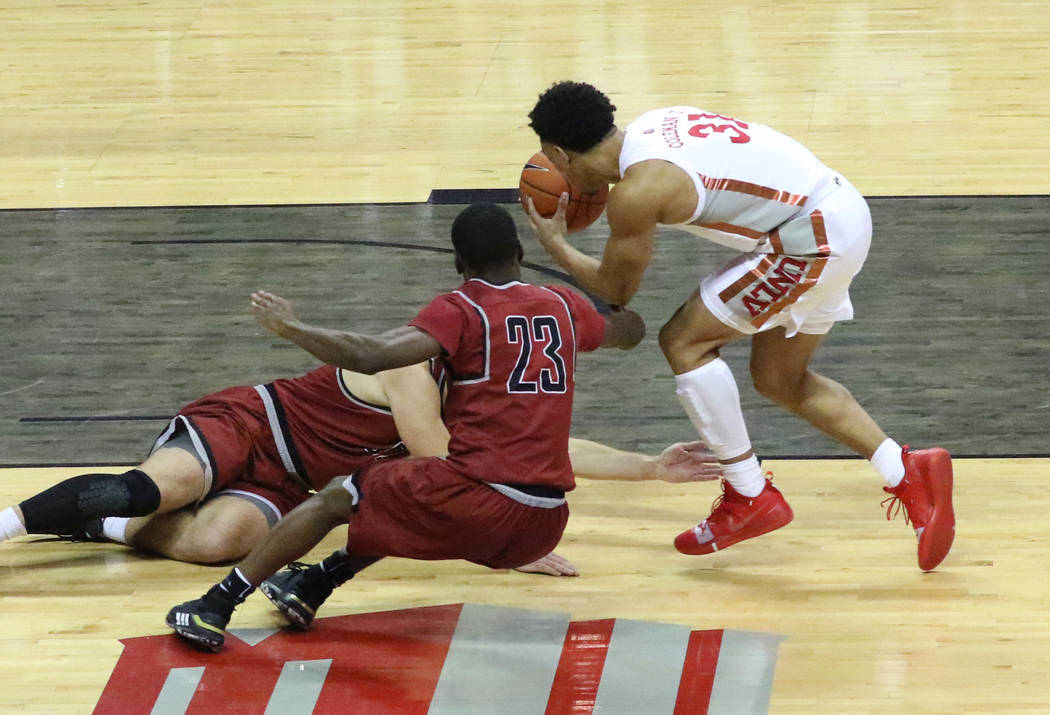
{"points": [[316, 133]]}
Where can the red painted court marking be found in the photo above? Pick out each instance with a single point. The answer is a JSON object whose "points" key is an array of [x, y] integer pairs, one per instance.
{"points": [[385, 663], [698, 673], [580, 668]]}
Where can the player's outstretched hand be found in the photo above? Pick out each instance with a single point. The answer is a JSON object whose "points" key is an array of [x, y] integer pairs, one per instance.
{"points": [[271, 310], [687, 462], [549, 230], [551, 565]]}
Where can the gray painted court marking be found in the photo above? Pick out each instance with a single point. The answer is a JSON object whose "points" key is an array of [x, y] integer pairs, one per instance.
{"points": [[177, 691], [643, 668], [501, 660], [252, 636], [298, 687], [744, 674]]}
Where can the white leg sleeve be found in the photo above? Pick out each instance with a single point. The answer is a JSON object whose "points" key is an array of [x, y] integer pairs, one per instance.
{"points": [[710, 397]]}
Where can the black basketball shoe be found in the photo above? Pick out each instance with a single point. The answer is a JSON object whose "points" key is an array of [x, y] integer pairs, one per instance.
{"points": [[89, 532], [298, 591], [201, 621]]}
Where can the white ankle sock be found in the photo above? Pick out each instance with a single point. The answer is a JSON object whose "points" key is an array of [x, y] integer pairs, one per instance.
{"points": [[10, 525], [710, 397], [888, 463], [745, 477], [114, 528]]}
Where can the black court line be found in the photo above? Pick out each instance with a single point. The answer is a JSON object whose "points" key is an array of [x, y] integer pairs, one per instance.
{"points": [[454, 196], [97, 418], [600, 304], [770, 457], [470, 196]]}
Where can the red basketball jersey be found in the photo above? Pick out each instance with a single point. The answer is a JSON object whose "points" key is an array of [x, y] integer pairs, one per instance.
{"points": [[326, 425], [511, 360]]}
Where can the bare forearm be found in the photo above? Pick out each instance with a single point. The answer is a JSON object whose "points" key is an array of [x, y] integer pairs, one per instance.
{"points": [[586, 270], [351, 351], [299, 531], [591, 460]]}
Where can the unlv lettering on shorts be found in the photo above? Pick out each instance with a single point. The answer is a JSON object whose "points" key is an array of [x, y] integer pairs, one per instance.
{"points": [[774, 285]]}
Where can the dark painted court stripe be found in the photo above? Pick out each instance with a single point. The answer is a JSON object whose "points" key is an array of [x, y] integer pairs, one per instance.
{"points": [[97, 418], [449, 197], [544, 270], [470, 196]]}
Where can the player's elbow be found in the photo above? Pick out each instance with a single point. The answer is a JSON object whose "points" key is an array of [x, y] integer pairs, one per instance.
{"points": [[617, 293], [367, 360], [635, 329], [624, 329]]}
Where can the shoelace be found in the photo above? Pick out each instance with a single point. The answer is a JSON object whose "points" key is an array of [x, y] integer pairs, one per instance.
{"points": [[722, 497], [298, 566], [894, 504]]}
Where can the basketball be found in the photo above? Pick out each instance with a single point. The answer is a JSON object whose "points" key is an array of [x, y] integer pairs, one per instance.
{"points": [[545, 184]]}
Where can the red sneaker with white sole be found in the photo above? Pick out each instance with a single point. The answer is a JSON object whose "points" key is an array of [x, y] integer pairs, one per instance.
{"points": [[734, 518], [926, 494]]}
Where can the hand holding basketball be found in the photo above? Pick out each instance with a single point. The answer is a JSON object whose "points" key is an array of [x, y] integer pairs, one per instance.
{"points": [[544, 185], [547, 230]]}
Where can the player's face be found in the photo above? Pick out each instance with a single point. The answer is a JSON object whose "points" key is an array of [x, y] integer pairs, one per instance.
{"points": [[574, 168]]}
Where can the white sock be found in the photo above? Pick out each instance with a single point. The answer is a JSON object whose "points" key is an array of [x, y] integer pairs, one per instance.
{"points": [[887, 462], [114, 528], [710, 397], [10, 525], [745, 477], [712, 401]]}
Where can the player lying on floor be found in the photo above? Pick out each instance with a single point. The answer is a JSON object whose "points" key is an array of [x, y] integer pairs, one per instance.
{"points": [[230, 464], [498, 497]]}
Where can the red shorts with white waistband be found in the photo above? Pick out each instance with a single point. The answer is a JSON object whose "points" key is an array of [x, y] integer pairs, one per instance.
{"points": [[423, 509]]}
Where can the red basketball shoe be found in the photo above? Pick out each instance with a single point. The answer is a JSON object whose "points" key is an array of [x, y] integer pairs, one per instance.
{"points": [[734, 518], [926, 493]]}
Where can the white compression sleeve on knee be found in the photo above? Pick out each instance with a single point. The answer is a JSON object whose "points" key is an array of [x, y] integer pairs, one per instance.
{"points": [[710, 397]]}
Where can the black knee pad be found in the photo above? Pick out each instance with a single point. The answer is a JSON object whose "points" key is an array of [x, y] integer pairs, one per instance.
{"points": [[70, 504]]}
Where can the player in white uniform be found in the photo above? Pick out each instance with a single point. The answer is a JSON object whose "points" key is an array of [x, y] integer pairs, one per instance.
{"points": [[803, 232]]}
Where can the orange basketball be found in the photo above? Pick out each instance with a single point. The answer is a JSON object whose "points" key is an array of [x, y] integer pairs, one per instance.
{"points": [[545, 184]]}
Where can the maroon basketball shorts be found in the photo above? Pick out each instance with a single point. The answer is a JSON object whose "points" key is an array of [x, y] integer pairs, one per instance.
{"points": [[423, 509], [232, 437]]}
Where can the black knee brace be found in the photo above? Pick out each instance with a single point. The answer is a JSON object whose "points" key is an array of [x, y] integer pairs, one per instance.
{"points": [[68, 505]]}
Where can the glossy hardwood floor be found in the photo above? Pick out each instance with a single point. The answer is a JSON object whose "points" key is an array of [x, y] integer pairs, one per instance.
{"points": [[190, 103], [193, 102]]}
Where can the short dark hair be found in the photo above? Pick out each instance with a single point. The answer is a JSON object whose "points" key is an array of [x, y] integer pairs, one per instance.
{"points": [[484, 235], [572, 115]]}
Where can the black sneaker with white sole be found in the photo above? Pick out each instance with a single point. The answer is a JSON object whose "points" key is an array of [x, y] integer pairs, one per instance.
{"points": [[297, 592], [201, 622]]}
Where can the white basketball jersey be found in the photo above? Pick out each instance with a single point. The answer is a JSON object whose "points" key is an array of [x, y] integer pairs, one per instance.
{"points": [[750, 180]]}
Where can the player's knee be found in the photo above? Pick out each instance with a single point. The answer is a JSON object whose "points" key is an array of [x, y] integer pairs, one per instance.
{"points": [[339, 497], [684, 352], [774, 385], [668, 339], [678, 348], [230, 542]]}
